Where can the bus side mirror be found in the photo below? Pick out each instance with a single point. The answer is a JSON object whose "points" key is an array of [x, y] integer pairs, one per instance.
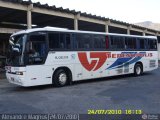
{"points": [[17, 45], [16, 51], [11, 41]]}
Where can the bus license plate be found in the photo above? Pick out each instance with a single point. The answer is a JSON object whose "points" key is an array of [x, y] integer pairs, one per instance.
{"points": [[12, 79]]}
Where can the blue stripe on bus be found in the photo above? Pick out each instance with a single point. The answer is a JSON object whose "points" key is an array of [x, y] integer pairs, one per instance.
{"points": [[136, 58], [120, 62]]}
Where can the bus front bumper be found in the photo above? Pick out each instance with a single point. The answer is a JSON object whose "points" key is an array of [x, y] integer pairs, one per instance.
{"points": [[15, 79]]}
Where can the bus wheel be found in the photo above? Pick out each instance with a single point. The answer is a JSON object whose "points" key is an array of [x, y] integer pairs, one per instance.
{"points": [[138, 70], [60, 78]]}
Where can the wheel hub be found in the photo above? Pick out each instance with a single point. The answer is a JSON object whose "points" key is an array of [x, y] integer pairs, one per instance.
{"points": [[138, 70], [62, 78]]}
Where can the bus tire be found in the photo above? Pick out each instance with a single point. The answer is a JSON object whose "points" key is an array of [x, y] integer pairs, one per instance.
{"points": [[138, 69], [60, 78]]}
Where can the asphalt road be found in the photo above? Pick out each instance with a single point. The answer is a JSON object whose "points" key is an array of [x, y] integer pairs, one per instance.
{"points": [[121, 92]]}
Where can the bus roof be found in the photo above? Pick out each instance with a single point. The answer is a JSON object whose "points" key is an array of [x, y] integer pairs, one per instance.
{"points": [[75, 31]]}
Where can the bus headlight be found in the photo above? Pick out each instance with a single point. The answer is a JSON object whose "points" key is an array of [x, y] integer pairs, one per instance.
{"points": [[19, 73]]}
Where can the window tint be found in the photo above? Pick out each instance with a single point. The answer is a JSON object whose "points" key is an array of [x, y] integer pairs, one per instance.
{"points": [[59, 41], [38, 44], [141, 43], [68, 41], [99, 42], [36, 48], [107, 42], [130, 43], [116, 42], [152, 44], [83, 41], [53, 40]]}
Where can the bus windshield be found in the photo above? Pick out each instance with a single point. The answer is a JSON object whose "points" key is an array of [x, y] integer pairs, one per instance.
{"points": [[16, 49], [27, 49]]}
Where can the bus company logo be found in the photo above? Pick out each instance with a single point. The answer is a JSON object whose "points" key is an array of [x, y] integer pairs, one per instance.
{"points": [[73, 56], [94, 60], [97, 60]]}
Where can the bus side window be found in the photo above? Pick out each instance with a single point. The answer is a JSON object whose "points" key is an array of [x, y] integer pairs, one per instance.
{"points": [[59, 41], [152, 44], [141, 43], [120, 42], [36, 48], [116, 42], [53, 40], [83, 41], [130, 43], [155, 44], [107, 42], [38, 44], [68, 41], [62, 41], [99, 42], [112, 42], [65, 41]]}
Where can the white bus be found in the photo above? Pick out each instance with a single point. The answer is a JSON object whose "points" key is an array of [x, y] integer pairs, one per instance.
{"points": [[60, 56]]}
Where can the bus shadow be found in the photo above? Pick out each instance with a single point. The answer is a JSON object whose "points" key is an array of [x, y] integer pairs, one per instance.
{"points": [[32, 88], [76, 83], [111, 78]]}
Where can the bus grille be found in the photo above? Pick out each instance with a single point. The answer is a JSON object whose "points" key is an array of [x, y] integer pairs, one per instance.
{"points": [[119, 71], [152, 63]]}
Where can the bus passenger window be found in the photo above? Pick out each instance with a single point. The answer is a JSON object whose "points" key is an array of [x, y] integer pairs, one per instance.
{"points": [[83, 41], [68, 41], [116, 42], [59, 41], [99, 42], [37, 49], [53, 40], [141, 43], [107, 42], [152, 44], [130, 43]]}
